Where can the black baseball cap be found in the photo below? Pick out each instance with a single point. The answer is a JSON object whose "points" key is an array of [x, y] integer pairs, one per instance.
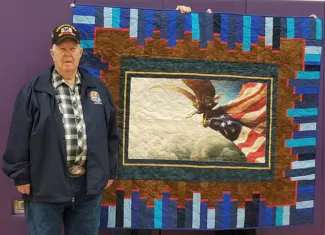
{"points": [[64, 31]]}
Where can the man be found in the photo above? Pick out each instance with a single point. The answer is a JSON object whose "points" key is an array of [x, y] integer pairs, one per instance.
{"points": [[62, 145]]}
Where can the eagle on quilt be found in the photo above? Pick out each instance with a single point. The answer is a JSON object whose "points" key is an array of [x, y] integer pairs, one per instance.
{"points": [[217, 115]]}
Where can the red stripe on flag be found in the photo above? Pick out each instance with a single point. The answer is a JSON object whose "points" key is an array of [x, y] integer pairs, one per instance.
{"points": [[251, 157], [251, 138], [248, 96], [258, 106]]}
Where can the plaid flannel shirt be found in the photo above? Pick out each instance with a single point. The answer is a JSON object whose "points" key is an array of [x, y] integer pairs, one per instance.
{"points": [[68, 99]]}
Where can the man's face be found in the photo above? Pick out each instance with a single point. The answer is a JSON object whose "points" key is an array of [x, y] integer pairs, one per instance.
{"points": [[66, 56]]}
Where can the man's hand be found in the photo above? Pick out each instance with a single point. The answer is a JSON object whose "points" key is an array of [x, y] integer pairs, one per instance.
{"points": [[109, 183], [183, 9], [186, 9], [24, 189]]}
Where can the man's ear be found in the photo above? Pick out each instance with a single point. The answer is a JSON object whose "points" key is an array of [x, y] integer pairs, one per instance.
{"points": [[81, 51], [52, 52]]}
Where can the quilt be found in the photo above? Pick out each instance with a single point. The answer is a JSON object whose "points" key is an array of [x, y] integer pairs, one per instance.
{"points": [[217, 115]]}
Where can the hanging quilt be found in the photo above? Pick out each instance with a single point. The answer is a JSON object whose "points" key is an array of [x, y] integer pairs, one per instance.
{"points": [[217, 116]]}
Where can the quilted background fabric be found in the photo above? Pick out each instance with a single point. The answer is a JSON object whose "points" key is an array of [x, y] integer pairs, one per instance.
{"points": [[217, 115]]}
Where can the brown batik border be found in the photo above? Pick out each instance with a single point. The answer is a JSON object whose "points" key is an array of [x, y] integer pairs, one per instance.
{"points": [[114, 44]]}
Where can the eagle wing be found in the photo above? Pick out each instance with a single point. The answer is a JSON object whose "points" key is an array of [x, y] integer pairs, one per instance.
{"points": [[201, 88]]}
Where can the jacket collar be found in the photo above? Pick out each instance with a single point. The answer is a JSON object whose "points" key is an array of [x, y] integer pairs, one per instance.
{"points": [[57, 79], [44, 81]]}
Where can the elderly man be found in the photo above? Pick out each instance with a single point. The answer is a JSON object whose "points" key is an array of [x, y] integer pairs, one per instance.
{"points": [[61, 150]]}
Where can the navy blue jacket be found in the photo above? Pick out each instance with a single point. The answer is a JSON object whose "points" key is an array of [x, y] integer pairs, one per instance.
{"points": [[36, 151]]}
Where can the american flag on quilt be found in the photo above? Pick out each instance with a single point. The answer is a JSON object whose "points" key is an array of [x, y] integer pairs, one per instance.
{"points": [[249, 108]]}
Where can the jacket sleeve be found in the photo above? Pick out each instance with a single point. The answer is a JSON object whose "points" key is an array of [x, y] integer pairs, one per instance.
{"points": [[15, 162], [112, 133]]}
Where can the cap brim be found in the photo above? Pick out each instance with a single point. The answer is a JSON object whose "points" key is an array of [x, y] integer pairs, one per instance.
{"points": [[58, 41]]}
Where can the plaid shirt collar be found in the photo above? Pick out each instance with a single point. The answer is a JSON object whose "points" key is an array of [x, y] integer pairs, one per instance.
{"points": [[57, 79]]}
